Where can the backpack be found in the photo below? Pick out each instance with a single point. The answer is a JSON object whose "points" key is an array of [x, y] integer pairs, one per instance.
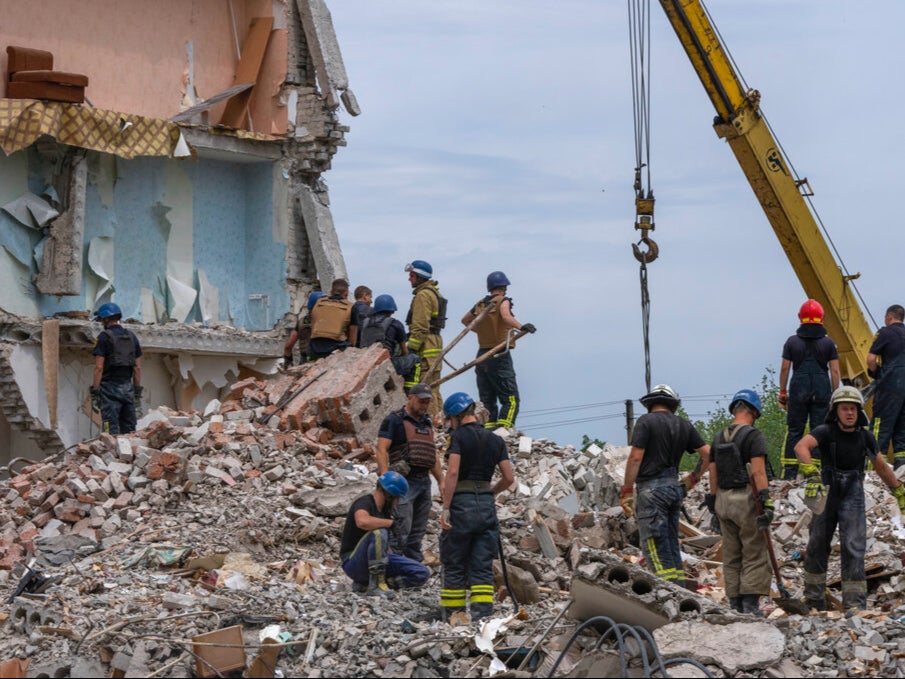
{"points": [[373, 331], [438, 322], [726, 453], [123, 355]]}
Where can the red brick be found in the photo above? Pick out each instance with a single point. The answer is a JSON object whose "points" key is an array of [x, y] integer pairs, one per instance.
{"points": [[154, 471], [40, 520], [229, 406], [161, 433], [87, 499], [50, 502], [235, 391], [170, 461], [122, 501], [252, 473], [70, 514], [215, 427]]}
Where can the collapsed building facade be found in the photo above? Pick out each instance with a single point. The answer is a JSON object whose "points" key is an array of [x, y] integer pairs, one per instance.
{"points": [[168, 157]]}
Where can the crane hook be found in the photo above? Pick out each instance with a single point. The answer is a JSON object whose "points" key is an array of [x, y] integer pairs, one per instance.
{"points": [[653, 250]]}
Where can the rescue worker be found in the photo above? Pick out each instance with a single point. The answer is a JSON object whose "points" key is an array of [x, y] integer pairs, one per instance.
{"points": [[886, 364], [302, 331], [381, 327], [470, 538], [809, 353], [361, 308], [651, 487], [497, 386], [746, 568], [331, 322], [116, 384], [364, 551], [405, 444], [846, 446], [425, 319]]}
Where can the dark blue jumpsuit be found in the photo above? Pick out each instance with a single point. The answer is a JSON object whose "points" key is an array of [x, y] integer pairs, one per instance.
{"points": [[117, 392], [889, 398]]}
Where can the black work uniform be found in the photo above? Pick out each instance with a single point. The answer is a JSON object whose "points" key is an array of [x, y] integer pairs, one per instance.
{"points": [[468, 549], [120, 349], [496, 380], [664, 437], [889, 398], [810, 351], [844, 455]]}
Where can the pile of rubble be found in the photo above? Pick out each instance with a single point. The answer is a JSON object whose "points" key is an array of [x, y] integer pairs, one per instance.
{"points": [[222, 527]]}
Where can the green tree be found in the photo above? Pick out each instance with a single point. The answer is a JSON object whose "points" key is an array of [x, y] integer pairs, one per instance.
{"points": [[587, 442]]}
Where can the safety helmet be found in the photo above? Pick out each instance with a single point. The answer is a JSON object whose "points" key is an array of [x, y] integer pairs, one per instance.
{"points": [[456, 403], [107, 310], [811, 313], [664, 394], [313, 297], [748, 397], [496, 279], [394, 484], [421, 268], [847, 394], [384, 303]]}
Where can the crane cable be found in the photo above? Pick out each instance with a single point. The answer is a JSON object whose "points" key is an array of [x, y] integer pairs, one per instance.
{"points": [[639, 41]]}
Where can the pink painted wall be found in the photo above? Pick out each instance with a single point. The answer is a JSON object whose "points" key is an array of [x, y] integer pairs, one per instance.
{"points": [[134, 51]]}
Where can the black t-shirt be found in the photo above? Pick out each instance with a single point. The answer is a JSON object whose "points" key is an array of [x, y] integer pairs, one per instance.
{"points": [[104, 347], [754, 443], [480, 450], [665, 437], [796, 349], [890, 342], [851, 447], [351, 532]]}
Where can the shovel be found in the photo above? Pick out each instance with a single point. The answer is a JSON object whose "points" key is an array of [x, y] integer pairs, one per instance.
{"points": [[785, 602]]}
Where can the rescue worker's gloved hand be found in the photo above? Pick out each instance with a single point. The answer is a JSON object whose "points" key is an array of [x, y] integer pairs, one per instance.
{"points": [[765, 519], [899, 493], [783, 398], [287, 360], [814, 490], [444, 520], [710, 503], [137, 391], [627, 500], [95, 399], [529, 327]]}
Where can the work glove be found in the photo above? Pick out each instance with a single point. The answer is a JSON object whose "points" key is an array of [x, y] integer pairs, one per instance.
{"points": [[528, 327], [814, 490], [137, 391], [765, 519], [95, 399], [710, 503], [627, 500], [783, 398], [287, 361], [899, 493], [444, 520]]}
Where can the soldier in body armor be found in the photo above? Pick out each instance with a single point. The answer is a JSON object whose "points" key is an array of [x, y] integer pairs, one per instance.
{"points": [[497, 387], [331, 322], [381, 327], [116, 386]]}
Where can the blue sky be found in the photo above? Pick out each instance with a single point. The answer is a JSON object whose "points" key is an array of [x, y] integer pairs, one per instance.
{"points": [[499, 136]]}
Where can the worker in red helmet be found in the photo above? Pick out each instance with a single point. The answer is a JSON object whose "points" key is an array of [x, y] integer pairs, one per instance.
{"points": [[886, 364], [812, 358]]}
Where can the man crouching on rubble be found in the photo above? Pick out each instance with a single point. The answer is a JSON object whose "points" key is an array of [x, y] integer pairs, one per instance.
{"points": [[845, 446], [364, 550]]}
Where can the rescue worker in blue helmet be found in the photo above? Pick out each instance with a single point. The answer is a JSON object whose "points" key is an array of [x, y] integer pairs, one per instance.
{"points": [[886, 364], [302, 331], [813, 360], [364, 549], [332, 325], [497, 386], [380, 327], [116, 383], [746, 568], [470, 538], [426, 319], [835, 493], [651, 488]]}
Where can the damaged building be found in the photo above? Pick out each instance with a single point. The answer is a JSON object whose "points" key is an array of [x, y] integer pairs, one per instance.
{"points": [[167, 156]]}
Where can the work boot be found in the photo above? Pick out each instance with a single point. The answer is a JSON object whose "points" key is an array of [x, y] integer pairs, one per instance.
{"points": [[735, 603], [377, 585], [751, 604]]}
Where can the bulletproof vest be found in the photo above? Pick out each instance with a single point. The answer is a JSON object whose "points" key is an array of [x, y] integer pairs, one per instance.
{"points": [[373, 331], [419, 449], [123, 355], [330, 318], [491, 330], [726, 453], [438, 320]]}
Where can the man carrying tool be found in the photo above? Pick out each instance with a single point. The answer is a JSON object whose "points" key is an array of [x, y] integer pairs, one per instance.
{"points": [[886, 364], [302, 331], [809, 354], [746, 566], [331, 322], [659, 440], [496, 376], [364, 550], [470, 538], [381, 327], [426, 318], [405, 444], [116, 384], [846, 446]]}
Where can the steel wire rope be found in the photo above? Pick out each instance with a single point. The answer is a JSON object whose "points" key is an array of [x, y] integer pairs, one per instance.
{"points": [[795, 174]]}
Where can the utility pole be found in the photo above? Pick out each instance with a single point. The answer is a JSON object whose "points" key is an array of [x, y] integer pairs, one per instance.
{"points": [[629, 420]]}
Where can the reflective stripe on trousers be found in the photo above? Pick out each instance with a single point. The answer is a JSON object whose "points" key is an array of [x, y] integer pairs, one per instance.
{"points": [[498, 389], [658, 503]]}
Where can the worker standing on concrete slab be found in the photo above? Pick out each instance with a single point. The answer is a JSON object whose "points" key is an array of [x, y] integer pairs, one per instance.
{"points": [[886, 364], [426, 318], [331, 322], [364, 550], [116, 384], [361, 308], [302, 331], [809, 354], [846, 446], [651, 489], [497, 386], [470, 538], [405, 444], [381, 327]]}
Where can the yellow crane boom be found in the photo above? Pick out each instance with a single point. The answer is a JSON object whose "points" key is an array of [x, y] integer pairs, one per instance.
{"points": [[740, 123]]}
